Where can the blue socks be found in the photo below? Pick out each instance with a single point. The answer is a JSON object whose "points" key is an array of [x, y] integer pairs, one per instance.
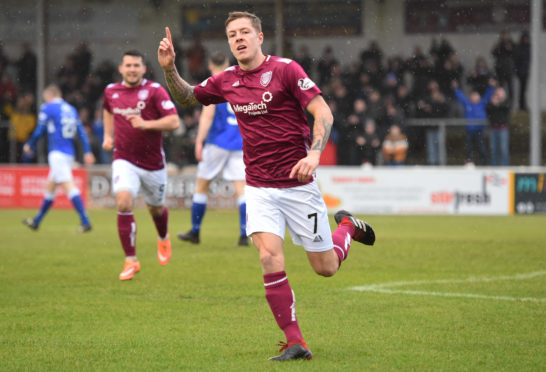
{"points": [[241, 202], [77, 202], [198, 210], [46, 204]]}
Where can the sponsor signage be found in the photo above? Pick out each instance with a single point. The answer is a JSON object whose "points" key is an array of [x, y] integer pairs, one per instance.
{"points": [[180, 188], [530, 193], [416, 191], [486, 191], [24, 186]]}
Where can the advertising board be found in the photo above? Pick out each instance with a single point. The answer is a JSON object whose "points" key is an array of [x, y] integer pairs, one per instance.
{"points": [[530, 193], [24, 186], [416, 190]]}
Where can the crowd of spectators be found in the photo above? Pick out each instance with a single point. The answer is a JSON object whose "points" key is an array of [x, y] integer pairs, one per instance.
{"points": [[383, 93], [371, 98]]}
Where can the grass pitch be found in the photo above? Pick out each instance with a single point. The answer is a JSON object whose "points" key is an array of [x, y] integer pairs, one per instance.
{"points": [[448, 293]]}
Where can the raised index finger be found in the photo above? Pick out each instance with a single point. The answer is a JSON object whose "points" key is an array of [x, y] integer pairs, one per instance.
{"points": [[168, 32]]}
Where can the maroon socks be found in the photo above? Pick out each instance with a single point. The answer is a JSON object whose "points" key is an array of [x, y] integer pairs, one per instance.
{"points": [[282, 302], [161, 223], [127, 233], [342, 237]]}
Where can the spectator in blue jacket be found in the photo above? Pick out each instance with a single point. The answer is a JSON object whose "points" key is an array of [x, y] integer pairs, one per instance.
{"points": [[474, 109]]}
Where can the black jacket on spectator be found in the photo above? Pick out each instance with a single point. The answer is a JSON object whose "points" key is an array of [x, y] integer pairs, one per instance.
{"points": [[498, 115]]}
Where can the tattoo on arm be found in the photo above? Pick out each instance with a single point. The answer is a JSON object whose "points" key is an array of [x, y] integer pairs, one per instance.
{"points": [[321, 132], [182, 92]]}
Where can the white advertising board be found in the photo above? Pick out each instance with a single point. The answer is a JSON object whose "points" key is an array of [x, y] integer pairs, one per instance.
{"points": [[416, 190]]}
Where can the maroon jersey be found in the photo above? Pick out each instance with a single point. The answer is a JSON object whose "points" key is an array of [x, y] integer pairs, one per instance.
{"points": [[143, 148], [269, 104]]}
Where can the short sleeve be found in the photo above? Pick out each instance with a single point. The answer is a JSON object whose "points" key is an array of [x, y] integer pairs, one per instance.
{"points": [[164, 103], [106, 101], [210, 90], [301, 86]]}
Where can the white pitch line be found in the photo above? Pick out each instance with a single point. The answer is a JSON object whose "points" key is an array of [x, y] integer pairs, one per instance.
{"points": [[383, 287], [449, 294]]}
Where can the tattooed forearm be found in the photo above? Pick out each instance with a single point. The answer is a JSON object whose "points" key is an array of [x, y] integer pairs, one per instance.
{"points": [[321, 133], [181, 91]]}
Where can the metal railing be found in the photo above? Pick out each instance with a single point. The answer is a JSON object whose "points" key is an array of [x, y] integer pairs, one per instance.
{"points": [[442, 124]]}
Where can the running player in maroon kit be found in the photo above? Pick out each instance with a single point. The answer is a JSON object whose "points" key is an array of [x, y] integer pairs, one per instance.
{"points": [[136, 111], [268, 95]]}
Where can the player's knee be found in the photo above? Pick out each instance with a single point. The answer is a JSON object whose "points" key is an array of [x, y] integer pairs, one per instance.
{"points": [[271, 263], [123, 208], [124, 202], [266, 259], [326, 272], [324, 263], [325, 269], [156, 211], [124, 205]]}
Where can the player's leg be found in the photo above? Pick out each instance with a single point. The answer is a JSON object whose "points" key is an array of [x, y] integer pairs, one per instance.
{"points": [[350, 228], [60, 171], [126, 184], [214, 159], [61, 166], [73, 194], [127, 230], [198, 209], [266, 226], [241, 205], [327, 262], [235, 171], [279, 295], [308, 224], [154, 185], [47, 202], [160, 215]]}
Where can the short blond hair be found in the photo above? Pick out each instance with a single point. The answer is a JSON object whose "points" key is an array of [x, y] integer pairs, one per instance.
{"points": [[53, 90], [254, 19]]}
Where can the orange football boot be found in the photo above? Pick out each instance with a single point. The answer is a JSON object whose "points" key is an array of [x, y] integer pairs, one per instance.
{"points": [[164, 250], [130, 268]]}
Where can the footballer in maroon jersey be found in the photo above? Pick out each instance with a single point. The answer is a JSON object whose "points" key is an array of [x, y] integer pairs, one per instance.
{"points": [[269, 95], [269, 103], [136, 111], [143, 148]]}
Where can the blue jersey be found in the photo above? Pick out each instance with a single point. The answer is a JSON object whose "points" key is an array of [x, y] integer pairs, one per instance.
{"points": [[62, 122], [224, 131]]}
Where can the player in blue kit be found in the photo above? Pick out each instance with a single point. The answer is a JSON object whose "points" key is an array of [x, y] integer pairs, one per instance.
{"points": [[218, 147], [61, 121]]}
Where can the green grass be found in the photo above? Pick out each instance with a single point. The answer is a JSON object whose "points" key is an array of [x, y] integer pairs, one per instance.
{"points": [[62, 307]]}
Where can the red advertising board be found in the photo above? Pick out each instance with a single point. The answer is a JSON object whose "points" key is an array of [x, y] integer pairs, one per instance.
{"points": [[24, 186]]}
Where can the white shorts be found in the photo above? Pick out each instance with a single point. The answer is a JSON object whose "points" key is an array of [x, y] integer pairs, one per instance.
{"points": [[128, 177], [216, 159], [301, 209], [60, 167]]}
